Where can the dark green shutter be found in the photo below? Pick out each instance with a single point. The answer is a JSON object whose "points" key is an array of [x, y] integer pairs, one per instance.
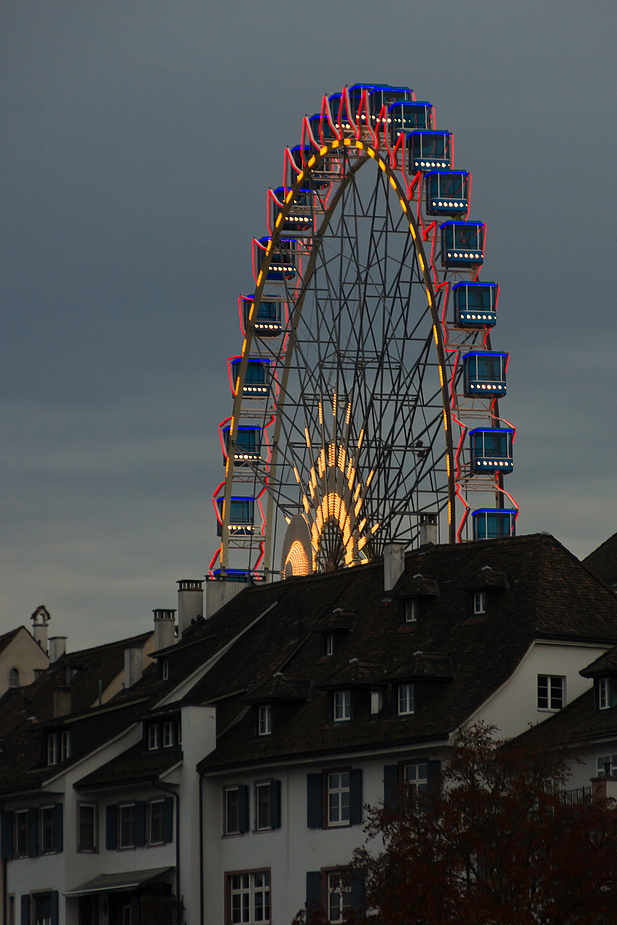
{"points": [[25, 909], [33, 832], [168, 820], [434, 773], [135, 909], [275, 804], [111, 828], [313, 890], [243, 808], [58, 828], [6, 840], [54, 903], [390, 787], [140, 824], [355, 796], [356, 891], [314, 801]]}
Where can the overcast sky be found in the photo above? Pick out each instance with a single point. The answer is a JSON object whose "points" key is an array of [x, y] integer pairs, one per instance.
{"points": [[137, 142]]}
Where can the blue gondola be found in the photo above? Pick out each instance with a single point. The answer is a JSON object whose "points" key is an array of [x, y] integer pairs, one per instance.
{"points": [[493, 523], [428, 150], [484, 374], [475, 304], [236, 574], [462, 244], [299, 219], [321, 130], [257, 379], [283, 264], [447, 192], [248, 443], [383, 95], [405, 117], [241, 516], [491, 449], [269, 319]]}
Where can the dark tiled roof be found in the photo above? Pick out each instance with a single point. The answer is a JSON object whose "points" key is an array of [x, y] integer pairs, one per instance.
{"points": [[280, 689], [353, 673], [550, 595], [604, 664], [578, 724], [137, 765], [603, 561]]}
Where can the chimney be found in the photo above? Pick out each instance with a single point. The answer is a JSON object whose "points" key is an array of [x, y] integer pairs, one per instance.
{"points": [[62, 702], [164, 628], [133, 666], [393, 564], [190, 603], [428, 529], [40, 618], [57, 648]]}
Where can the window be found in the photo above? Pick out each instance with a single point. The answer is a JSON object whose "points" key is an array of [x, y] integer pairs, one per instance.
{"points": [[338, 798], [607, 766], [267, 805], [339, 898], [168, 734], [87, 827], [415, 776], [479, 602], [264, 719], [13, 677], [551, 692], [236, 810], [127, 825], [156, 822], [329, 644], [52, 748], [21, 833], [48, 829], [248, 897], [604, 693], [406, 699], [412, 609], [376, 700], [154, 736], [164, 669], [65, 744], [341, 703]]}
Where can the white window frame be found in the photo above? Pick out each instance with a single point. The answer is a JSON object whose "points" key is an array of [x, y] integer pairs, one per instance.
{"points": [[154, 736], [338, 897], [339, 798], [52, 748], [95, 827], [329, 644], [550, 696], [264, 719], [479, 602], [65, 744], [415, 775], [341, 706], [412, 607], [406, 699], [249, 897], [164, 669], [168, 734], [604, 694], [606, 761]]}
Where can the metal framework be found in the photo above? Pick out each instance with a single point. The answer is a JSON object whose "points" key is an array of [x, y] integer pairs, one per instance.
{"points": [[360, 410]]}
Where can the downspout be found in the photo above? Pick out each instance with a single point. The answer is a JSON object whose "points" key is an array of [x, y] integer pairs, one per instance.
{"points": [[167, 788], [201, 850]]}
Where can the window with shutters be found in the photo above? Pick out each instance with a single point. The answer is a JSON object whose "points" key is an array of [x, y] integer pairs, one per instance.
{"points": [[334, 894], [87, 827], [267, 805], [339, 896], [126, 826], [21, 833], [338, 798], [334, 798], [248, 897], [236, 819]]}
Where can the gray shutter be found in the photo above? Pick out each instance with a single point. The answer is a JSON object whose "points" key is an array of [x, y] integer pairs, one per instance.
{"points": [[140, 824], [58, 828], [275, 804], [6, 838], [434, 772], [135, 909], [313, 890], [390, 787], [356, 891], [243, 808], [314, 801], [111, 828], [53, 901], [355, 796], [168, 820], [33, 832], [25, 909]]}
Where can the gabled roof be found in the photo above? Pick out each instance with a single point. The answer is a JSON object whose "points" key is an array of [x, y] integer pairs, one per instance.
{"points": [[7, 638], [603, 561]]}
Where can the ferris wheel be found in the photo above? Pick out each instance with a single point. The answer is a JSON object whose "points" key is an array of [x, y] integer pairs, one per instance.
{"points": [[366, 394]]}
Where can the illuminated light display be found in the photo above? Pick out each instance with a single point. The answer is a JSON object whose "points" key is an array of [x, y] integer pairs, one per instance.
{"points": [[362, 124]]}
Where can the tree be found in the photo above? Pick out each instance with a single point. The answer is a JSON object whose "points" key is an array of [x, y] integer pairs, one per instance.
{"points": [[495, 844]]}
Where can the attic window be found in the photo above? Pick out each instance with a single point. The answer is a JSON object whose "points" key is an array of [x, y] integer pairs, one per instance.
{"points": [[264, 719], [479, 602], [13, 677], [341, 706], [412, 610], [329, 643], [164, 669], [604, 694]]}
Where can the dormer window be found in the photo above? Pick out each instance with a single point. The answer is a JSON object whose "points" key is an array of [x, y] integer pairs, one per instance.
{"points": [[164, 669], [264, 719], [154, 736], [406, 699], [412, 610], [604, 694], [329, 643], [479, 602], [341, 706]]}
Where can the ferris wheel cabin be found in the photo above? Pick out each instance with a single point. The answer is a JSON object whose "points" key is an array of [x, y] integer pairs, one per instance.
{"points": [[283, 264], [405, 117], [268, 322], [484, 374], [493, 523], [257, 379], [299, 218], [248, 443], [447, 192], [297, 158], [321, 131], [475, 304], [241, 516], [462, 244], [491, 449], [377, 96], [428, 150]]}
